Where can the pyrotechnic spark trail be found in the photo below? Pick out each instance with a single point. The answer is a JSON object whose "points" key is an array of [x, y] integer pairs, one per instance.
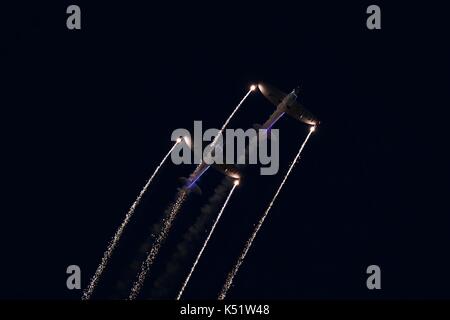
{"points": [[219, 134], [167, 224], [206, 242], [248, 244], [115, 240], [252, 88]]}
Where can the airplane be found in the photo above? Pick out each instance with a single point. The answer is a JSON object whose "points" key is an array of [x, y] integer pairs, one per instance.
{"points": [[285, 103]]}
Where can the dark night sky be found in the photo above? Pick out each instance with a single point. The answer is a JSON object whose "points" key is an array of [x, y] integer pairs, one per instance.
{"points": [[87, 115]]}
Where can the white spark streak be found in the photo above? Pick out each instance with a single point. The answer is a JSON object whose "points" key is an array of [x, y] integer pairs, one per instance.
{"points": [[248, 244], [205, 243], [115, 240]]}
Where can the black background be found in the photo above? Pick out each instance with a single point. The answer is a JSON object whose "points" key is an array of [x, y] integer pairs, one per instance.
{"points": [[88, 114]]}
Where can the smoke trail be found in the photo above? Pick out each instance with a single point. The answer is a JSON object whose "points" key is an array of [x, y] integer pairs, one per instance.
{"points": [[167, 224], [115, 240], [249, 242], [173, 275], [206, 242]]}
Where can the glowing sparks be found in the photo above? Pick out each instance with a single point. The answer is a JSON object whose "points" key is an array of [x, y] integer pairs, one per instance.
{"points": [[312, 128], [236, 182], [207, 240], [115, 240], [248, 244], [229, 118], [167, 224]]}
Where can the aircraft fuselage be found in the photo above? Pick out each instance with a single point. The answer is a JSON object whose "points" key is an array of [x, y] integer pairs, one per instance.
{"points": [[282, 108]]}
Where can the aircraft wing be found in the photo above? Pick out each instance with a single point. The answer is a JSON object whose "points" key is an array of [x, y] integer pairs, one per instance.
{"points": [[295, 110], [299, 112], [271, 93], [227, 169]]}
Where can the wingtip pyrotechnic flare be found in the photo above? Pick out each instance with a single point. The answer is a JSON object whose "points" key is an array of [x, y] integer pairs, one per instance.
{"points": [[236, 182], [253, 87], [179, 139], [312, 128]]}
